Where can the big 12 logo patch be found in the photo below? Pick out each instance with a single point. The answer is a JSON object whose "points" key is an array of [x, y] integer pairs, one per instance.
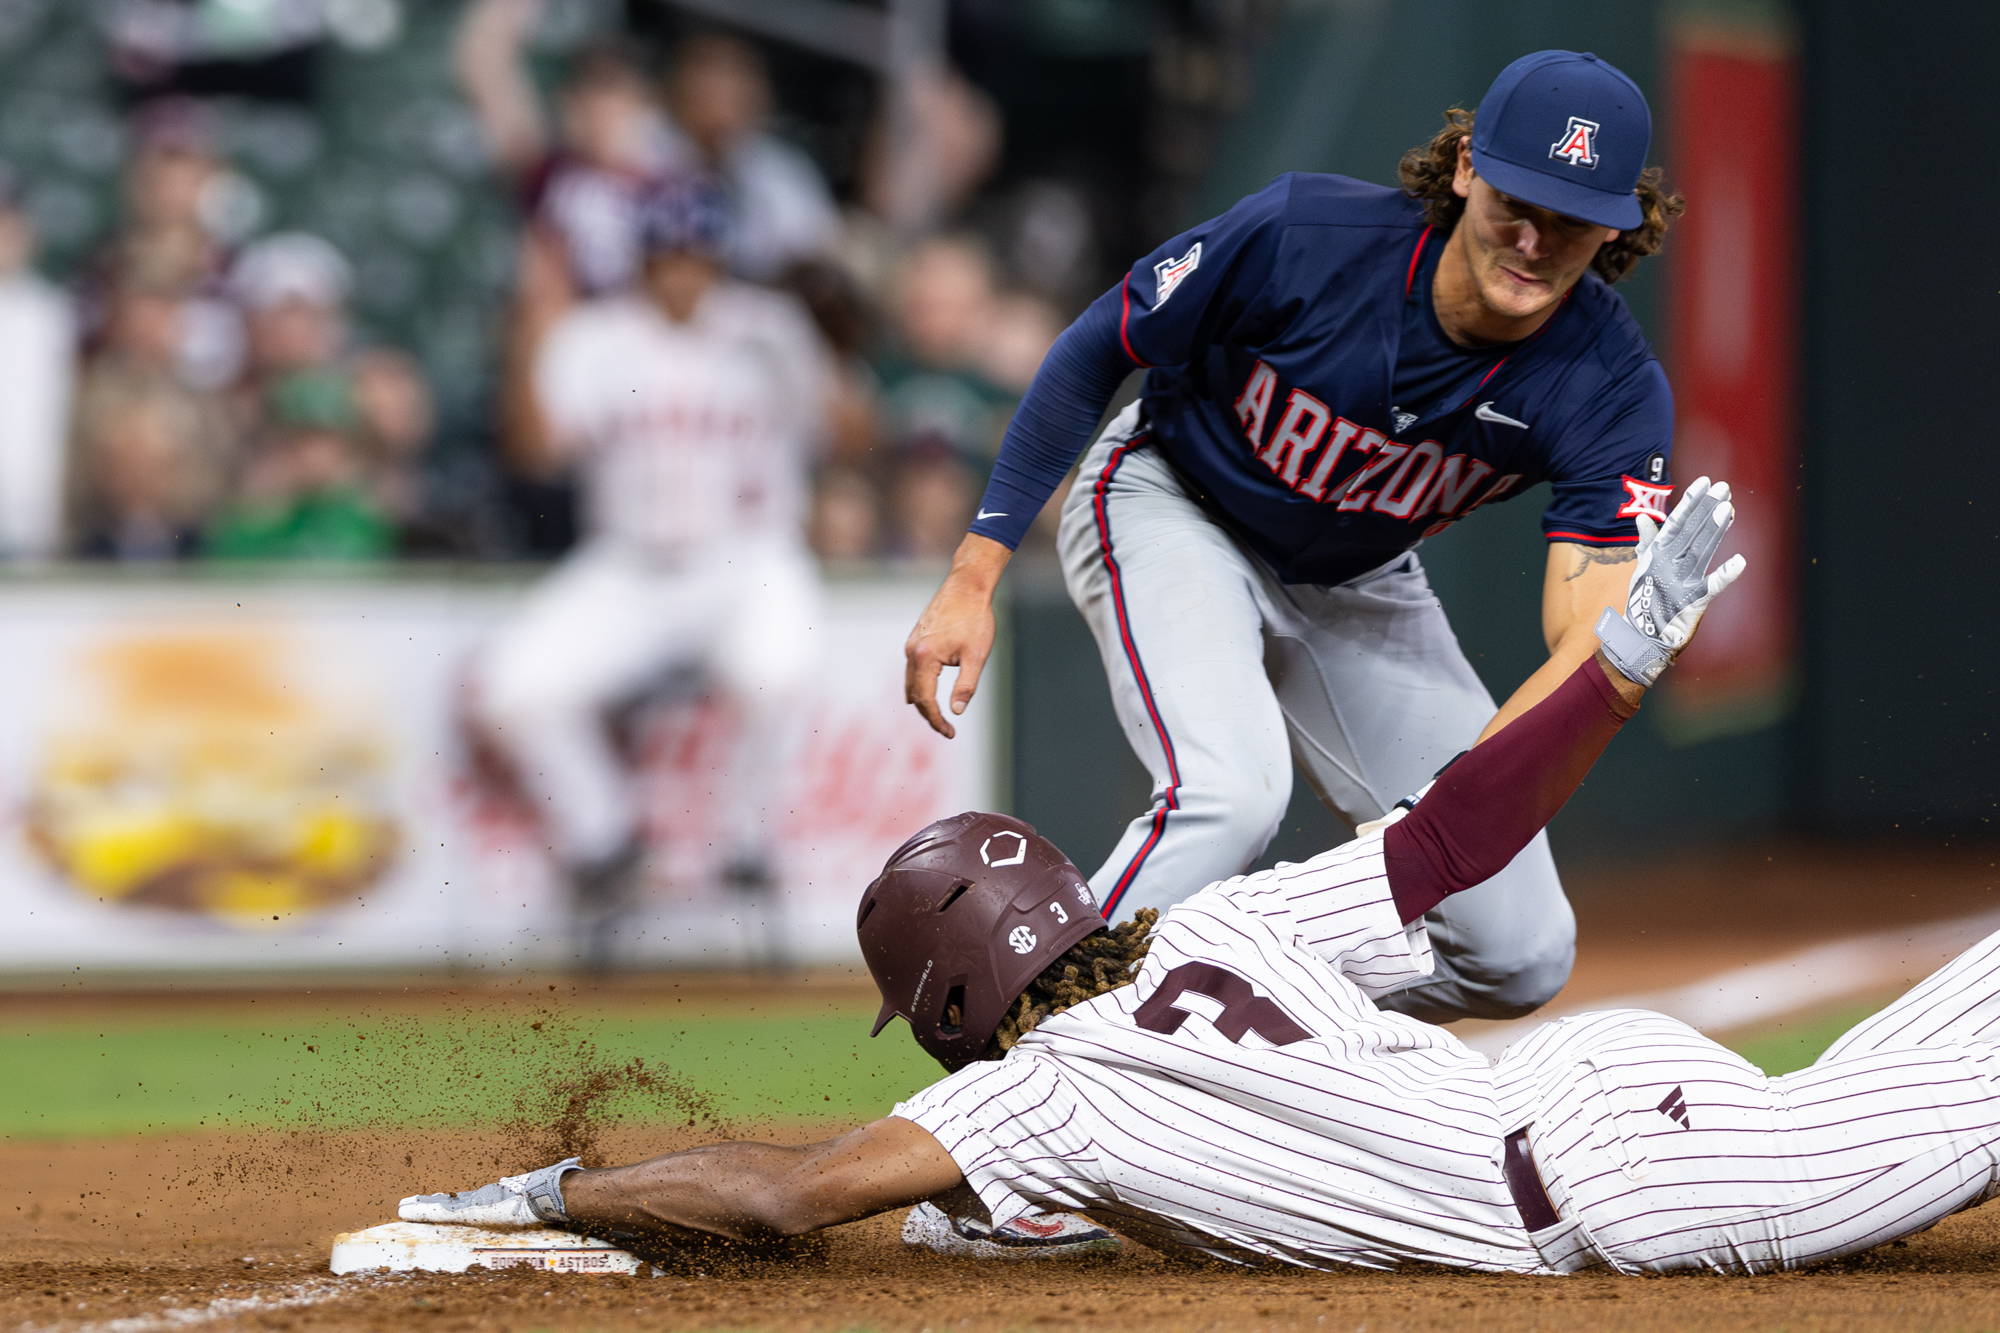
{"points": [[1646, 499]]}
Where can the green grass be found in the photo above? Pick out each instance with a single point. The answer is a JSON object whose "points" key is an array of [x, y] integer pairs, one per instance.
{"points": [[1795, 1042], [71, 1079], [64, 1080]]}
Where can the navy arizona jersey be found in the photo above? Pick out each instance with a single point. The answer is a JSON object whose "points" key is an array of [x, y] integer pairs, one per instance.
{"points": [[1299, 382]]}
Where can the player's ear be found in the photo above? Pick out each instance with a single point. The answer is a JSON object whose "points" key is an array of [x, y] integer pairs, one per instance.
{"points": [[1461, 180]]}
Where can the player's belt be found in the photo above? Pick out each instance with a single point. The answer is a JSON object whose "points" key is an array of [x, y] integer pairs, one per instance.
{"points": [[1525, 1183]]}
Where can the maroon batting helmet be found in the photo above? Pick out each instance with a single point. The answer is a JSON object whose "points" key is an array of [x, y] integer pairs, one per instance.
{"points": [[968, 912]]}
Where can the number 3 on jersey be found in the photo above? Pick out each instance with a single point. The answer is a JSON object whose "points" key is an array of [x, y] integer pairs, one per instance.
{"points": [[1243, 1010]]}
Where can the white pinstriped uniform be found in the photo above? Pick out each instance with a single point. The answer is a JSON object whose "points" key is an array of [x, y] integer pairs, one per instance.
{"points": [[1369, 1138], [1373, 1142], [1896, 1127]]}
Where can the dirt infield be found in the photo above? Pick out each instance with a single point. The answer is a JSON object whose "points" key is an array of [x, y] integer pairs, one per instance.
{"points": [[228, 1231], [112, 1231]]}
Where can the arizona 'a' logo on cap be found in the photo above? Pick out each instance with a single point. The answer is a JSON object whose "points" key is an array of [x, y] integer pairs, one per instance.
{"points": [[1578, 145]]}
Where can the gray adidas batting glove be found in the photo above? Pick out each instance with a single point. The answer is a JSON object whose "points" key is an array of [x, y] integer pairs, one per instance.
{"points": [[1672, 585], [532, 1200]]}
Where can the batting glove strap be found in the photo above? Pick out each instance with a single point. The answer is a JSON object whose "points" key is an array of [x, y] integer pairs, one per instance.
{"points": [[1638, 658], [543, 1189], [530, 1200]]}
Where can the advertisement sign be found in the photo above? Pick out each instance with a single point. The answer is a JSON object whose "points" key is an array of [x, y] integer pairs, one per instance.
{"points": [[205, 775], [1732, 351]]}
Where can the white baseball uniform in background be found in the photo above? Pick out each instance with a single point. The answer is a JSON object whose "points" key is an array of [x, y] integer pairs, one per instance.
{"points": [[1244, 1098], [38, 347], [692, 443]]}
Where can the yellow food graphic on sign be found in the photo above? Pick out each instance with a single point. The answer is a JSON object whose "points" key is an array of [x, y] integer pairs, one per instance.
{"points": [[214, 773]]}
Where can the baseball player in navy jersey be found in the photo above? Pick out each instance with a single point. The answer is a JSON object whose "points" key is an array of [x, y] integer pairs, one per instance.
{"points": [[1224, 1081], [1337, 371]]}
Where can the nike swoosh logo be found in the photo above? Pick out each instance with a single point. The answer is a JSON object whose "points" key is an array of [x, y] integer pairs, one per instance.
{"points": [[984, 514], [1485, 412]]}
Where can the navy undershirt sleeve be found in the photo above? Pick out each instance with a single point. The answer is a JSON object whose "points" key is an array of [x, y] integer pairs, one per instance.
{"points": [[1184, 296], [1053, 424]]}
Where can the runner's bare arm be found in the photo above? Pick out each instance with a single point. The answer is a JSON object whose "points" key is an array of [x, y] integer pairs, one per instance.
{"points": [[956, 629], [1577, 584], [756, 1191]]}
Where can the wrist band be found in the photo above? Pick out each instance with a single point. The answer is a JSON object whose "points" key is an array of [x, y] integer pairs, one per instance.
{"points": [[1638, 658]]}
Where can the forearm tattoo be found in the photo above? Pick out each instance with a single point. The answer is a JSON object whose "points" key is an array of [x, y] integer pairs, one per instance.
{"points": [[1601, 555]]}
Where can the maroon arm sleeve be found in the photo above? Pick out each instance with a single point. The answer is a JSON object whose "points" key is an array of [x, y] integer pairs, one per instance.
{"points": [[1488, 805]]}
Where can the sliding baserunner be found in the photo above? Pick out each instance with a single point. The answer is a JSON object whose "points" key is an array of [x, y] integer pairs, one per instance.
{"points": [[1223, 1081], [1337, 371]]}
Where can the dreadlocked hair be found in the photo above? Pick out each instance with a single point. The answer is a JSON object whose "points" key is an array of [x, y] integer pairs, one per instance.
{"points": [[1427, 171], [1100, 962]]}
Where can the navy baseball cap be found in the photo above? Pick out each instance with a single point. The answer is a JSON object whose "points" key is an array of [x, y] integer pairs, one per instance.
{"points": [[1566, 132], [684, 213]]}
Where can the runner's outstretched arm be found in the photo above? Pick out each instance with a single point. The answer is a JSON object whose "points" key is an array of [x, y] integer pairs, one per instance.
{"points": [[726, 1191], [755, 1191]]}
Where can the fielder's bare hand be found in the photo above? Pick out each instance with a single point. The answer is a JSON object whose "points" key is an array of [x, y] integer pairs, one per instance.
{"points": [[956, 629], [1672, 584]]}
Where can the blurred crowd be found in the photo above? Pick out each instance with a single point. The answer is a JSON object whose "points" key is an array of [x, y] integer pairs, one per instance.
{"points": [[190, 395], [197, 399]]}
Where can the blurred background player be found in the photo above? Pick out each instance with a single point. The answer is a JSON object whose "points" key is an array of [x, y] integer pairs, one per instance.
{"points": [[580, 175], [690, 409], [1337, 371], [37, 345], [579, 182]]}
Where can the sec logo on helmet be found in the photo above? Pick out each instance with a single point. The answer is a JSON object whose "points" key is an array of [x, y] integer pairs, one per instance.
{"points": [[1578, 145]]}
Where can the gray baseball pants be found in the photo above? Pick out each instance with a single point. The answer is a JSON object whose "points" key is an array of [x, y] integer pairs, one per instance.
{"points": [[1225, 678]]}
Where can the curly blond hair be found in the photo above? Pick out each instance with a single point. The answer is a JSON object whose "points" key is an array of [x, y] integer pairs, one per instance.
{"points": [[1100, 962], [1428, 169]]}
